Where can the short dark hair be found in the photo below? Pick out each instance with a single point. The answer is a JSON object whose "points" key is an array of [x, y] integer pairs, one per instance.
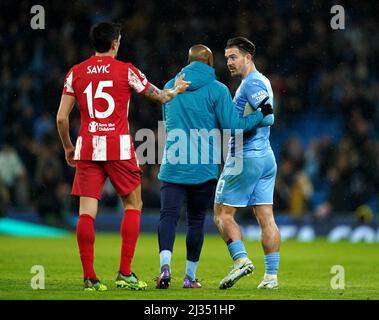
{"points": [[102, 35], [242, 44]]}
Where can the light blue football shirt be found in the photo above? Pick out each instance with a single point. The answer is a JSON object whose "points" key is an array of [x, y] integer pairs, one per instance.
{"points": [[253, 89]]}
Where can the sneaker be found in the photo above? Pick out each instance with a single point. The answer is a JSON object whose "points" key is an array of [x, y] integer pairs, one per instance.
{"points": [[270, 281], [188, 283], [164, 278], [241, 267], [94, 285], [130, 282]]}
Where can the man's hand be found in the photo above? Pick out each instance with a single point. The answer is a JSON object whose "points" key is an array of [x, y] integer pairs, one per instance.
{"points": [[163, 96], [266, 109], [69, 153], [181, 85]]}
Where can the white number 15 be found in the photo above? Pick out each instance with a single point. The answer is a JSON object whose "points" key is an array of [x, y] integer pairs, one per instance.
{"points": [[100, 94]]}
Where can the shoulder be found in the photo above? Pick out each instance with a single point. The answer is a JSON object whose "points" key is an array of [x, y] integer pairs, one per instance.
{"points": [[132, 70], [254, 86], [219, 86], [75, 68], [128, 65], [254, 82], [217, 90], [79, 68], [124, 65], [260, 80]]}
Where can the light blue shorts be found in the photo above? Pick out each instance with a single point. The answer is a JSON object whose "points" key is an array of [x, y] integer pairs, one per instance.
{"points": [[254, 185]]}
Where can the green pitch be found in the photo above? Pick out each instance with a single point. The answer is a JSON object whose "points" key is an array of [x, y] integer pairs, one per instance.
{"points": [[305, 270]]}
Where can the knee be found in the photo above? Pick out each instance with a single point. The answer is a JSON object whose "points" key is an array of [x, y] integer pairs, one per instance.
{"points": [[169, 215], [222, 216], [133, 205], [88, 206], [267, 222], [196, 219], [216, 214], [196, 225]]}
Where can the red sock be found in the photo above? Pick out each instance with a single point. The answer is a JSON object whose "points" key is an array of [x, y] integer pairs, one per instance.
{"points": [[85, 235], [129, 235]]}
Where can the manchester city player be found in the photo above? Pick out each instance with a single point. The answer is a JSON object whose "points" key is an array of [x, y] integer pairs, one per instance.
{"points": [[254, 186]]}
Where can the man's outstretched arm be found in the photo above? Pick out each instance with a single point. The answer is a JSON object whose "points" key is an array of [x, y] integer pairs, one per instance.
{"points": [[63, 125], [163, 96]]}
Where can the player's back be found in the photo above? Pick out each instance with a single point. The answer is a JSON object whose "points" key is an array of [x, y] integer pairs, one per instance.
{"points": [[193, 113], [252, 90], [102, 86]]}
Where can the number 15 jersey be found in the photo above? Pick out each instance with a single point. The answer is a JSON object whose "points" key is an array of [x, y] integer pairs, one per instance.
{"points": [[102, 87]]}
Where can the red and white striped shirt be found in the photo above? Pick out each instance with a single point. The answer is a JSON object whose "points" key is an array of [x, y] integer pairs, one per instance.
{"points": [[102, 87]]}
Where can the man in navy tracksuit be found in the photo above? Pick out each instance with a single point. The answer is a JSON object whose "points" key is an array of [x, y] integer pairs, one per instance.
{"points": [[186, 175]]}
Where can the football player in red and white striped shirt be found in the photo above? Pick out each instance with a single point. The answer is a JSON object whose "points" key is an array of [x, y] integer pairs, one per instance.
{"points": [[102, 86]]}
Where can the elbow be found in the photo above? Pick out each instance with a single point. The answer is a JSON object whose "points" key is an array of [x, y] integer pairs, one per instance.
{"points": [[268, 120], [61, 119]]}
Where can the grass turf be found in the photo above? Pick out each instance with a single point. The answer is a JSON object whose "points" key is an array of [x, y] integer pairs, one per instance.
{"points": [[305, 270]]}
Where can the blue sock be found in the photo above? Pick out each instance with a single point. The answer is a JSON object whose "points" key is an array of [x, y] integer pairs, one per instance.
{"points": [[165, 257], [191, 269], [272, 263], [237, 250]]}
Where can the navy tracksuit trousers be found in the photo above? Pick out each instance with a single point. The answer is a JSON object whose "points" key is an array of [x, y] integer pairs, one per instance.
{"points": [[198, 197]]}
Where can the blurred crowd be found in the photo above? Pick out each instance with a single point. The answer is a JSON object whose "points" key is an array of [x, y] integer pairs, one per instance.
{"points": [[310, 65]]}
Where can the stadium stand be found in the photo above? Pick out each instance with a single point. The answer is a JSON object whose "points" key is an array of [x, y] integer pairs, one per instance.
{"points": [[325, 82]]}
